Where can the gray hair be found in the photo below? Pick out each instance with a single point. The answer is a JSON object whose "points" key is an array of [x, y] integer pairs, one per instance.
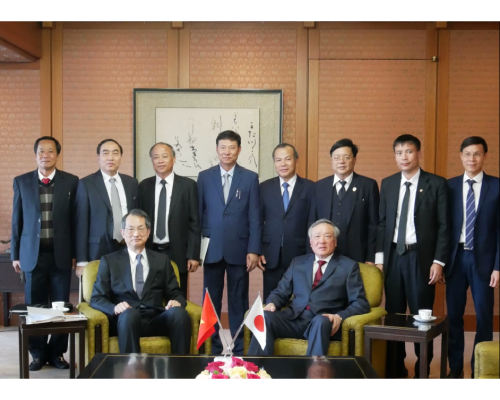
{"points": [[137, 213], [336, 230], [165, 144]]}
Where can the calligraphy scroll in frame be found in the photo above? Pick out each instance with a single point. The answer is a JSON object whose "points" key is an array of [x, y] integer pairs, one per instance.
{"points": [[190, 119]]}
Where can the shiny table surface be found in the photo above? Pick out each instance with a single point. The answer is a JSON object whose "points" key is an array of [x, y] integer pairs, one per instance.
{"points": [[156, 366]]}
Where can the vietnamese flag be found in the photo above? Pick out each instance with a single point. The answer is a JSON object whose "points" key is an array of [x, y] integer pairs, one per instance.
{"points": [[208, 320]]}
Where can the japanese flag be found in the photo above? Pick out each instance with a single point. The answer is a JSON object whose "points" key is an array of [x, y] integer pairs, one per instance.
{"points": [[255, 322]]}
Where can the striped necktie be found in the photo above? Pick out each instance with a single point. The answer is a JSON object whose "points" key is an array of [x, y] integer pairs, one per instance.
{"points": [[470, 212]]}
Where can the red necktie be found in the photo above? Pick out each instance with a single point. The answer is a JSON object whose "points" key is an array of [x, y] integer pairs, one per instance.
{"points": [[319, 273], [46, 181], [317, 276]]}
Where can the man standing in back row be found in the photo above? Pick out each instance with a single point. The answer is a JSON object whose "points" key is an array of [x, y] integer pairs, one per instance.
{"points": [[412, 242], [102, 199], [285, 204], [171, 202], [230, 217], [474, 250], [351, 202], [43, 242]]}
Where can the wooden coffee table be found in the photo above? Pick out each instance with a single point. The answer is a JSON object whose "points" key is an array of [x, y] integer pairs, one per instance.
{"points": [[51, 328], [109, 366], [402, 328]]}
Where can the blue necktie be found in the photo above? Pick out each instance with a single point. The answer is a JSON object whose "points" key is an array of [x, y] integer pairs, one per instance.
{"points": [[470, 219], [286, 196], [139, 277]]}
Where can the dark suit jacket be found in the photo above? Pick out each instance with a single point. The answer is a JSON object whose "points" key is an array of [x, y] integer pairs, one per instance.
{"points": [[361, 235], [234, 228], [486, 228], [292, 224], [431, 218], [114, 283], [340, 290], [183, 221], [26, 219], [94, 225]]}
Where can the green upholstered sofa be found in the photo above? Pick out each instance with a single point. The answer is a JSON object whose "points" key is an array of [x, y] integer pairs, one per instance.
{"points": [[486, 363], [352, 328], [98, 339]]}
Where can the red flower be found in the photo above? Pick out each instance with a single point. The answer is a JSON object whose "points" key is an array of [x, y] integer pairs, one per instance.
{"points": [[253, 376], [237, 362], [251, 367], [220, 376], [215, 366]]}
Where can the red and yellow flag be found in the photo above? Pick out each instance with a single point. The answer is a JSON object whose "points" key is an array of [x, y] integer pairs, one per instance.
{"points": [[208, 320]]}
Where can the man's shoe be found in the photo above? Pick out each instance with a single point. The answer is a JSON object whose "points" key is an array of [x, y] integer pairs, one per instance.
{"points": [[402, 373], [58, 362], [455, 374], [36, 364]]}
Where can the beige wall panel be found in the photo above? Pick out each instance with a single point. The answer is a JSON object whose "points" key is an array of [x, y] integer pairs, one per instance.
{"points": [[101, 67], [372, 44], [19, 128], [370, 102]]}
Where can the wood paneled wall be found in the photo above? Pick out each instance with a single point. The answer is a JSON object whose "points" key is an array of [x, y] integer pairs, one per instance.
{"points": [[367, 81]]}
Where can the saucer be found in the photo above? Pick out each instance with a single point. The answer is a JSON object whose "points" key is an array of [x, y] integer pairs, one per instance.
{"points": [[63, 309], [424, 320]]}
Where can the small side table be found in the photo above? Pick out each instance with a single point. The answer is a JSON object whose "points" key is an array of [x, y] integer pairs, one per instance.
{"points": [[51, 328], [401, 328]]}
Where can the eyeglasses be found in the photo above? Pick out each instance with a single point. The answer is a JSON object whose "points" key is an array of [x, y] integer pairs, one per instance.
{"points": [[141, 230], [473, 155], [345, 158]]}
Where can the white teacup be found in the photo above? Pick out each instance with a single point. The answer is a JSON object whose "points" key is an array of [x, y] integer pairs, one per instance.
{"points": [[58, 305], [425, 314]]}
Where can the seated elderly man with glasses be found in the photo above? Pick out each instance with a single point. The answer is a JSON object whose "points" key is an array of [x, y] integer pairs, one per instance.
{"points": [[131, 287]]}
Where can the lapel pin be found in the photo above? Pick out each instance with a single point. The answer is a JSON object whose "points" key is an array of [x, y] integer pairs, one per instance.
{"points": [[353, 189], [421, 190]]}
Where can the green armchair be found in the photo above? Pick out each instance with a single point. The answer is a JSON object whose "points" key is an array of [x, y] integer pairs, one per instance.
{"points": [[486, 360], [352, 343], [98, 339]]}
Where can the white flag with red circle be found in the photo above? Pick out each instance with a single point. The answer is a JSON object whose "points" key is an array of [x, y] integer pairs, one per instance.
{"points": [[255, 322]]}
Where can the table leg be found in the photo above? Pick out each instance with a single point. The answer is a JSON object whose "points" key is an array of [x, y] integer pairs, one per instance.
{"points": [[81, 346], [6, 309], [423, 360], [72, 355], [26, 369], [368, 348], [444, 354], [391, 359], [20, 334]]}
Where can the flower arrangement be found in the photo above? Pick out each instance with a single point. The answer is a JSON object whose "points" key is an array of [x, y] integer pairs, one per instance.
{"points": [[233, 368]]}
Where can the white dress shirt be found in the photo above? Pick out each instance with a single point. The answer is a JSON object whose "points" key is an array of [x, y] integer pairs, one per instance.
{"points": [[411, 233], [51, 176], [119, 186], [323, 267], [168, 187], [133, 265], [338, 185], [291, 184], [477, 191]]}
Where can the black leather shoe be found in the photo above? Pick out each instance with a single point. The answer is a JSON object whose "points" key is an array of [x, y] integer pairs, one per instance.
{"points": [[59, 362], [455, 374], [402, 373], [36, 364]]}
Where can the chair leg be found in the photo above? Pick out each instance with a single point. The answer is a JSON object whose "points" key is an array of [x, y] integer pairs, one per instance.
{"points": [[352, 344], [98, 339]]}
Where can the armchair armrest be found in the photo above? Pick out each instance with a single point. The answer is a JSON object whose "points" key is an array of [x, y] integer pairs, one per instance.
{"points": [[357, 323], [95, 317], [194, 311]]}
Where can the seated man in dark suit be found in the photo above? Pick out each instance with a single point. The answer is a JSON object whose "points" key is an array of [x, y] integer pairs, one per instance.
{"points": [[130, 288], [327, 288]]}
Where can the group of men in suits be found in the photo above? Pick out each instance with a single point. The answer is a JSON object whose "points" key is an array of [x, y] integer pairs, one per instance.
{"points": [[404, 230]]}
